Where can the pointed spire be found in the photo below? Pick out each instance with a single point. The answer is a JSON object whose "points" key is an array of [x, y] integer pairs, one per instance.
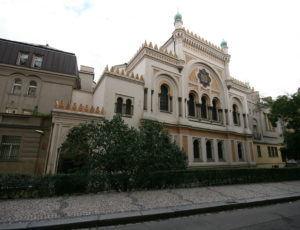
{"points": [[97, 110], [106, 68], [74, 107], [102, 111], [142, 78], [132, 75], [68, 106], [80, 108], [112, 69], [150, 45], [56, 104], [117, 71], [137, 76], [145, 43], [161, 49], [92, 110], [61, 105], [155, 47], [122, 72], [127, 74]]}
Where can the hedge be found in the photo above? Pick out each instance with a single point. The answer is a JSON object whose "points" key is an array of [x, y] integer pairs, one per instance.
{"points": [[26, 186]]}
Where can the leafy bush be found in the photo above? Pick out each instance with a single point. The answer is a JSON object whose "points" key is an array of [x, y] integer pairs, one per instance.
{"points": [[112, 147]]}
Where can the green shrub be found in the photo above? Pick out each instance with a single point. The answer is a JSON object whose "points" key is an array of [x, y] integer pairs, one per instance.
{"points": [[25, 186]]}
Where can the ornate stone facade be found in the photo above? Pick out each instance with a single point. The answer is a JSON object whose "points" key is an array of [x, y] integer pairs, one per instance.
{"points": [[186, 85]]}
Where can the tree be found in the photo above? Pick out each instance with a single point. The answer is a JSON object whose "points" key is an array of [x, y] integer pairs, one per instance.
{"points": [[113, 147], [287, 108], [76, 150]]}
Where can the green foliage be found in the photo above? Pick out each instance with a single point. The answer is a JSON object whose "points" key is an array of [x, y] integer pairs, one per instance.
{"points": [[287, 108], [24, 186], [116, 148], [158, 153], [112, 148], [75, 152]]}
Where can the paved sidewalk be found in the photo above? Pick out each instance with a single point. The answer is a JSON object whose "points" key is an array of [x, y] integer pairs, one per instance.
{"points": [[113, 208]]}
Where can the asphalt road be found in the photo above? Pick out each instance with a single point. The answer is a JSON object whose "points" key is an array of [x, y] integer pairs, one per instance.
{"points": [[279, 216]]}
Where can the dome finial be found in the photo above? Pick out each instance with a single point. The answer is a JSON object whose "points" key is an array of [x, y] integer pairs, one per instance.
{"points": [[178, 16], [224, 44]]}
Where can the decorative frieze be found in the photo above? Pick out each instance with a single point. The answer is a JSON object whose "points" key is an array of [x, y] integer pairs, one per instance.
{"points": [[81, 108], [128, 74]]}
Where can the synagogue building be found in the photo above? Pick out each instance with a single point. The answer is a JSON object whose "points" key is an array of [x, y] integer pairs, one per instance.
{"points": [[185, 84]]}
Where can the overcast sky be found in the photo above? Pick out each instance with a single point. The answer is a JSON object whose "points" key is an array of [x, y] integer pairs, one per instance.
{"points": [[263, 36]]}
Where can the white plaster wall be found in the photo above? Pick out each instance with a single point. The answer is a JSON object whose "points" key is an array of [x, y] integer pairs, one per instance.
{"points": [[82, 97], [127, 88], [99, 93]]}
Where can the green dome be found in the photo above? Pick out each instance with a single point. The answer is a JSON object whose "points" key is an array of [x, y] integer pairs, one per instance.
{"points": [[178, 17], [223, 44]]}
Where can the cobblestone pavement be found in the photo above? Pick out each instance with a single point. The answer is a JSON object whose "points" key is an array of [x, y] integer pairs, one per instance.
{"points": [[25, 210]]}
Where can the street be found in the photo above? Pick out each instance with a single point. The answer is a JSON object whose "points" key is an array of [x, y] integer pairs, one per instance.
{"points": [[279, 216]]}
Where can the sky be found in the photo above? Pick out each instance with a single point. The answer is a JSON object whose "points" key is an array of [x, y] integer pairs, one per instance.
{"points": [[263, 36]]}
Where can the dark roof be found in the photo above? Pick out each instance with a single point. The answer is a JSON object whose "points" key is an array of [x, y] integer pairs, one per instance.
{"points": [[53, 60]]}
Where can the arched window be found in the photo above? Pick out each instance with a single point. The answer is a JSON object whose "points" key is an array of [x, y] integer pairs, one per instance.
{"points": [[196, 150], [235, 114], [209, 151], [164, 98], [220, 150], [240, 151], [32, 88], [215, 110], [191, 105], [128, 107], [17, 86], [119, 105], [204, 107]]}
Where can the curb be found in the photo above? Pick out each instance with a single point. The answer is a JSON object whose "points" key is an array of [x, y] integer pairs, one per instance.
{"points": [[147, 215]]}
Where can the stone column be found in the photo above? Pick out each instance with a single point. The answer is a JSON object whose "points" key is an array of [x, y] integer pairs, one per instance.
{"points": [[215, 150], [180, 106], [203, 149]]}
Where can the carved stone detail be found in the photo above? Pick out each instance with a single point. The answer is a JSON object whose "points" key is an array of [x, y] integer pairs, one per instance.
{"points": [[204, 77]]}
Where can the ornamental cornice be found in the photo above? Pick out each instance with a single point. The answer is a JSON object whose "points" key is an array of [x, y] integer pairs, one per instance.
{"points": [[122, 75], [196, 43], [160, 54]]}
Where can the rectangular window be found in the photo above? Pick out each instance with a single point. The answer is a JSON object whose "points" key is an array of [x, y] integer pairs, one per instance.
{"points": [[269, 151], [145, 98], [276, 152], [22, 59], [10, 147], [37, 61], [258, 151]]}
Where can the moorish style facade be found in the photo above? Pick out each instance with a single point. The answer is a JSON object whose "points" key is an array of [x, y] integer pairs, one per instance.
{"points": [[184, 84]]}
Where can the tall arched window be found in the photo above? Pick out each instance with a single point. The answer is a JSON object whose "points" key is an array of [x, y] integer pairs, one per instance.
{"points": [[220, 150], [209, 151], [32, 88], [196, 150], [191, 105], [17, 86], [235, 114], [164, 98], [240, 151], [119, 105], [215, 110], [204, 107], [128, 107]]}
